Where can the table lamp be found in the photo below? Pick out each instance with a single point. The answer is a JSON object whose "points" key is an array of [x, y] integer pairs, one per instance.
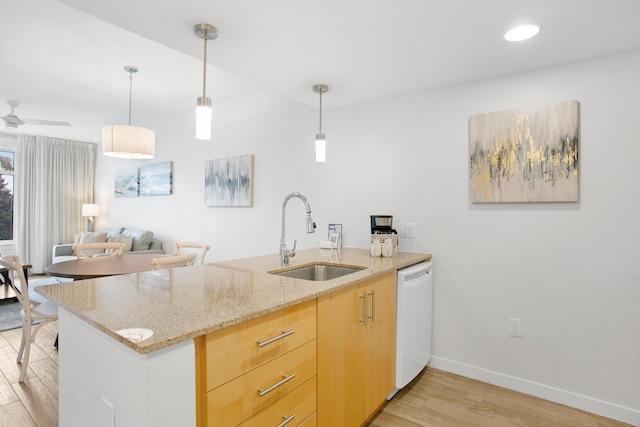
{"points": [[90, 210]]}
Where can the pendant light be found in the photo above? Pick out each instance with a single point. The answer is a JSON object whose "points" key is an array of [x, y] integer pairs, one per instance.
{"points": [[128, 142], [321, 142], [203, 106]]}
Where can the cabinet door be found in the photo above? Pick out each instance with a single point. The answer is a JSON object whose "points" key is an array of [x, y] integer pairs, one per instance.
{"points": [[340, 367], [379, 345]]}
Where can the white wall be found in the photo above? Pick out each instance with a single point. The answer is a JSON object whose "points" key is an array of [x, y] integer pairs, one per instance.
{"points": [[277, 131], [569, 271]]}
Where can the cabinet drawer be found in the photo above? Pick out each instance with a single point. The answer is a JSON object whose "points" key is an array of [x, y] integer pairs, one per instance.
{"points": [[234, 351], [296, 406], [311, 421], [239, 399]]}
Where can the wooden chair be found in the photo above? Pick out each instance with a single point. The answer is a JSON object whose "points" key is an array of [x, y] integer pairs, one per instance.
{"points": [[173, 261], [192, 247], [33, 316], [88, 250]]}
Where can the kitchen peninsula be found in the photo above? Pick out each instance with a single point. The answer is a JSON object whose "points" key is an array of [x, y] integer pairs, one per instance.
{"points": [[108, 379]]}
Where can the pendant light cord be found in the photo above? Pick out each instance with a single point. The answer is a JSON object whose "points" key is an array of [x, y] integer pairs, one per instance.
{"points": [[320, 112], [204, 73], [130, 93]]}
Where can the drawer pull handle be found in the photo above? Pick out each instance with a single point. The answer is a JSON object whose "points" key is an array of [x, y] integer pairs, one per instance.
{"points": [[284, 334], [284, 380], [364, 309], [373, 305], [286, 420]]}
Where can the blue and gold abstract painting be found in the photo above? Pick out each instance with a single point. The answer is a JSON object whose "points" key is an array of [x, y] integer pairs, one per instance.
{"points": [[525, 155]]}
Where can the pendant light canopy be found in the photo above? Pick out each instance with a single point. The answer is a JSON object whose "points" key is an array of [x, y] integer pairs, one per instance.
{"points": [[128, 142], [203, 106], [321, 142]]}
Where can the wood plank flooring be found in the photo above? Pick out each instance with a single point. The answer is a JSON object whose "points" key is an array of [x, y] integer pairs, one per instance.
{"points": [[33, 403], [437, 398], [434, 398]]}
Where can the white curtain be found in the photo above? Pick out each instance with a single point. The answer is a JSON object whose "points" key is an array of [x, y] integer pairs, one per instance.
{"points": [[54, 178]]}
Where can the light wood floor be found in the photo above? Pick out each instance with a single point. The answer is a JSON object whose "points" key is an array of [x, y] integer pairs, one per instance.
{"points": [[435, 398], [33, 403]]}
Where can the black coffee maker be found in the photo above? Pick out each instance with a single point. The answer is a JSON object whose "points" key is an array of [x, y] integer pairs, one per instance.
{"points": [[381, 224]]}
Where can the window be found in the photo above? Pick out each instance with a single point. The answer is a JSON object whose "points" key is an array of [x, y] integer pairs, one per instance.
{"points": [[6, 193]]}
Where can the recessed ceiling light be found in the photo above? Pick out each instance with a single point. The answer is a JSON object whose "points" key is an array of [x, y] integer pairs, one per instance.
{"points": [[522, 32]]}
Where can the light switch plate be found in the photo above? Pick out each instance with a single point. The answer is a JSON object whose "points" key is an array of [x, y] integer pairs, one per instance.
{"points": [[408, 229]]}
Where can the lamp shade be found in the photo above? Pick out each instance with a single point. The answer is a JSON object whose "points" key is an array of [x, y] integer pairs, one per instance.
{"points": [[321, 148], [128, 142], [203, 118], [90, 209]]}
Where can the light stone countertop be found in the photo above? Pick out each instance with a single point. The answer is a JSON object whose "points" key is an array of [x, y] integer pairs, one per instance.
{"points": [[184, 303]]}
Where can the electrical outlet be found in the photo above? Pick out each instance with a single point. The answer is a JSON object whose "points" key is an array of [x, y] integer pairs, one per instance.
{"points": [[408, 229], [515, 327]]}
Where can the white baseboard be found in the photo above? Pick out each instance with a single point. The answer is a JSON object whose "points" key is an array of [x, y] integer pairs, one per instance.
{"points": [[585, 403]]}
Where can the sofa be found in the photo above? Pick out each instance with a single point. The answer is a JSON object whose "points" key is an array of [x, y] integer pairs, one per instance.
{"points": [[136, 242]]}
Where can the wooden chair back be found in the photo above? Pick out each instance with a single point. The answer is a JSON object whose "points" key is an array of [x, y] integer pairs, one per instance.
{"points": [[87, 250], [184, 248], [173, 261]]}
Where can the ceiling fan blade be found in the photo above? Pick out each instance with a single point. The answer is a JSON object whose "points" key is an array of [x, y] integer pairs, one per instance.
{"points": [[45, 122]]}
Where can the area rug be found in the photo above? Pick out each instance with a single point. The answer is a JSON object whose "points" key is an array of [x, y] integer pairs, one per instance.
{"points": [[10, 308]]}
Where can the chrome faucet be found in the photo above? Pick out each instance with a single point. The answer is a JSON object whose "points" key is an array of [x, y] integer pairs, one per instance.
{"points": [[285, 253]]}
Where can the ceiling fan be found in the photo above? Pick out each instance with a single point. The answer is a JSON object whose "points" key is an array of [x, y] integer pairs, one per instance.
{"points": [[12, 121]]}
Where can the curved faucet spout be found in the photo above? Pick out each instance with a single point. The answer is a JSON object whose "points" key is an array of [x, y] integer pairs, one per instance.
{"points": [[285, 253]]}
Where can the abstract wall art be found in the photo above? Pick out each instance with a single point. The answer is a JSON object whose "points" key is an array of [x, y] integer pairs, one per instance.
{"points": [[156, 179], [127, 183], [229, 182], [525, 154]]}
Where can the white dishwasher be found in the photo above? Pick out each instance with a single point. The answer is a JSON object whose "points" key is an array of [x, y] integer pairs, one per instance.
{"points": [[414, 318]]}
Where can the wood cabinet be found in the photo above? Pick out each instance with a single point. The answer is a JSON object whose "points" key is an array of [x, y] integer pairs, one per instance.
{"points": [[342, 351], [256, 372], [356, 351]]}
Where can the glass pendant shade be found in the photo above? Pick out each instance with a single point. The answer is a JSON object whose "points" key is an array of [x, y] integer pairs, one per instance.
{"points": [[203, 107], [321, 141], [203, 118], [128, 142], [321, 148]]}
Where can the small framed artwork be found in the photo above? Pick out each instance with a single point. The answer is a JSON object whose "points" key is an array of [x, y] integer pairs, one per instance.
{"points": [[525, 155], [335, 229], [334, 239], [127, 183], [229, 182], [156, 179]]}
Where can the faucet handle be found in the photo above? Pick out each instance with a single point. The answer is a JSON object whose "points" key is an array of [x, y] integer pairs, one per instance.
{"points": [[292, 252]]}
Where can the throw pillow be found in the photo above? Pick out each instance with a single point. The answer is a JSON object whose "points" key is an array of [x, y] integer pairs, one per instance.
{"points": [[112, 231], [141, 239], [91, 237], [127, 240]]}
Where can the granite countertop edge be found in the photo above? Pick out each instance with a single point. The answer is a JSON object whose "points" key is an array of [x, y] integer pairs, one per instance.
{"points": [[258, 269]]}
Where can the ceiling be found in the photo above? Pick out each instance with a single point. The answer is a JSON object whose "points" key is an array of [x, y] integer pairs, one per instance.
{"points": [[63, 60]]}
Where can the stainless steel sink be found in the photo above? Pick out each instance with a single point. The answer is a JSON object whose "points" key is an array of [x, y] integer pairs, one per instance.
{"points": [[318, 272]]}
